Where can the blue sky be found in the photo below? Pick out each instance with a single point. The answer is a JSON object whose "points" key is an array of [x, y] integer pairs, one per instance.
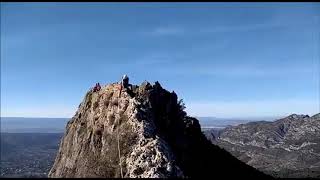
{"points": [[222, 59]]}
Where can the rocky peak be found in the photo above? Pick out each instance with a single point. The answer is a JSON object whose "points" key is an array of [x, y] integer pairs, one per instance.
{"points": [[316, 116], [297, 117], [142, 131], [293, 141]]}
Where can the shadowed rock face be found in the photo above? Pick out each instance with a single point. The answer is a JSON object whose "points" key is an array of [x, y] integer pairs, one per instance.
{"points": [[156, 139], [287, 147]]}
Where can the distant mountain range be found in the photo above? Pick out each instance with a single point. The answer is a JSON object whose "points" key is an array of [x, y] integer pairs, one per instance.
{"points": [[287, 147], [57, 125], [33, 125], [220, 123]]}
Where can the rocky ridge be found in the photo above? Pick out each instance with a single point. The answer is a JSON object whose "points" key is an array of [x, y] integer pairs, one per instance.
{"points": [[156, 138], [287, 147]]}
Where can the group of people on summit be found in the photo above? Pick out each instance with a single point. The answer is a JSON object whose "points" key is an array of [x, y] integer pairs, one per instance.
{"points": [[124, 83]]}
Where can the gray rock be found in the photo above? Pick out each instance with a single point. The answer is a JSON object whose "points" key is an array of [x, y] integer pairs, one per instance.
{"points": [[155, 137]]}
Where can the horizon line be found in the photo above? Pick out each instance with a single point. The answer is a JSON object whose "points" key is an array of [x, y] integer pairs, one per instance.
{"points": [[248, 117]]}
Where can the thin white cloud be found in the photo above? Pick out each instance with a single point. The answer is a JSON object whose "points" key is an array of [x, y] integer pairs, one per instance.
{"points": [[154, 59], [243, 28], [253, 108], [233, 28], [239, 70], [255, 71], [278, 20], [163, 31], [275, 22]]}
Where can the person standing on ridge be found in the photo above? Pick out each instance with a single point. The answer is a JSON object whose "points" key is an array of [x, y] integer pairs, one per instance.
{"points": [[97, 87], [124, 84], [125, 81]]}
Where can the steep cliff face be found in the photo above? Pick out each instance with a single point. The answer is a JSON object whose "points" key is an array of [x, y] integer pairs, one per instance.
{"points": [[142, 132], [287, 147]]}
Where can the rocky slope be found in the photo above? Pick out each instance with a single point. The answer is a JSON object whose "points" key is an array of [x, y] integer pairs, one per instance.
{"points": [[288, 147], [156, 139]]}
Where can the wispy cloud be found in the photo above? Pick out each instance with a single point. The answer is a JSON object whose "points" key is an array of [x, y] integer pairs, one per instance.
{"points": [[151, 59], [238, 71], [254, 71], [275, 22], [154, 59], [278, 20], [164, 31], [241, 28]]}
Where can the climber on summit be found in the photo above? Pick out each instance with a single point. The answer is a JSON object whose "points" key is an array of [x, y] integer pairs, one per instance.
{"points": [[125, 81], [124, 84], [97, 87]]}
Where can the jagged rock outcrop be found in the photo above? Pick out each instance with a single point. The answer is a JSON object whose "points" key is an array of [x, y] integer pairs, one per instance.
{"points": [[287, 147], [156, 139]]}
